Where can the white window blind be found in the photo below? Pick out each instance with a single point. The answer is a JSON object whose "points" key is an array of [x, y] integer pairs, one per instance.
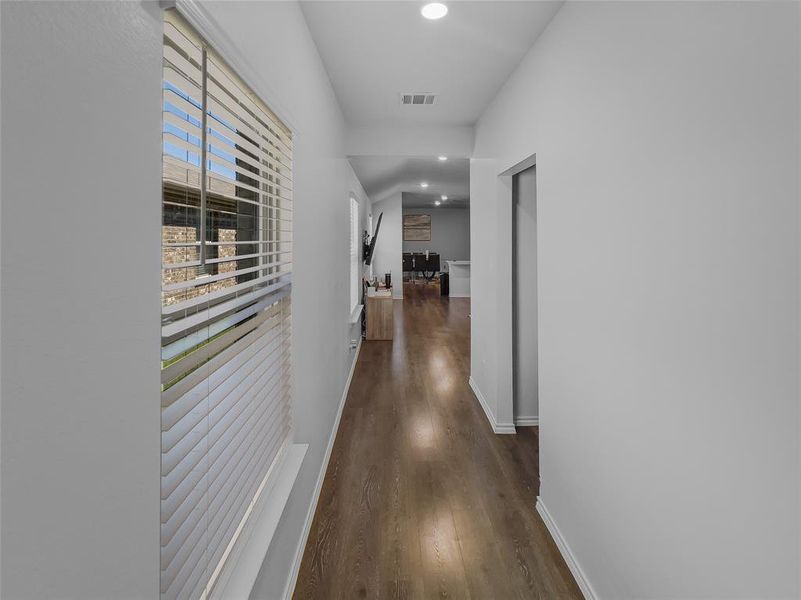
{"points": [[226, 308], [355, 275]]}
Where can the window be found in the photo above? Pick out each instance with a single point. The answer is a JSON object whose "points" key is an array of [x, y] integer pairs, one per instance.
{"points": [[355, 271], [226, 308]]}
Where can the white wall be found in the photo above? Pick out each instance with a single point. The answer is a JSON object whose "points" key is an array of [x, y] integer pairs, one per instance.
{"points": [[81, 313], [450, 233], [491, 302], [81, 237], [388, 255], [666, 137], [410, 140], [323, 180]]}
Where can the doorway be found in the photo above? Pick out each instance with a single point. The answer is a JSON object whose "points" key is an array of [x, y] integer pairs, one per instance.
{"points": [[424, 239], [525, 309]]}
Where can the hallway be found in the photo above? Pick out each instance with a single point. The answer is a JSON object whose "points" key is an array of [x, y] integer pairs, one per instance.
{"points": [[420, 498]]}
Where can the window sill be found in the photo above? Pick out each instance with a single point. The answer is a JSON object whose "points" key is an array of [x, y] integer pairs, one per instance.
{"points": [[357, 312], [249, 556]]}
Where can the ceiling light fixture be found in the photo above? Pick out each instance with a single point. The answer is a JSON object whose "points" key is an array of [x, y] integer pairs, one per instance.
{"points": [[436, 203], [424, 185], [442, 158], [434, 11], [444, 197]]}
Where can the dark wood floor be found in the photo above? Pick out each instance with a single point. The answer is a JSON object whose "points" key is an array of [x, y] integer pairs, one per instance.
{"points": [[421, 499]]}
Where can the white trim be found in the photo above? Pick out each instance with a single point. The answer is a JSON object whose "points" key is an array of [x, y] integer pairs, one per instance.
{"points": [[194, 12], [496, 427], [527, 421], [292, 580], [572, 564], [248, 553], [459, 295], [505, 337], [519, 167]]}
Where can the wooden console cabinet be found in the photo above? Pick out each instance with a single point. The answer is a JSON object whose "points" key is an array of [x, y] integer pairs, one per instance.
{"points": [[380, 319]]}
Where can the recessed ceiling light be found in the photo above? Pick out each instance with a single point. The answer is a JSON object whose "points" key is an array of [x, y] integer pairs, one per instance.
{"points": [[436, 203], [444, 197], [424, 185], [434, 10], [442, 158]]}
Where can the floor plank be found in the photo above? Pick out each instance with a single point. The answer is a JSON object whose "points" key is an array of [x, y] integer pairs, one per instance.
{"points": [[421, 499]]}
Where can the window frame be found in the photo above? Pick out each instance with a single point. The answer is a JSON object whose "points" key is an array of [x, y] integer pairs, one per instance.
{"points": [[234, 339], [355, 254]]}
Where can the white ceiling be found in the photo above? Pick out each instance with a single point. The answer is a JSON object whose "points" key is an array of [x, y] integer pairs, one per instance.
{"points": [[373, 50], [384, 176]]}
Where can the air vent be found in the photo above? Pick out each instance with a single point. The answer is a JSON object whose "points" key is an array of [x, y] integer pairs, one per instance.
{"points": [[418, 98]]}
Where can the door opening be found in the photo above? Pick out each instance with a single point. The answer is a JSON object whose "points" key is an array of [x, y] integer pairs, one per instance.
{"points": [[525, 309]]}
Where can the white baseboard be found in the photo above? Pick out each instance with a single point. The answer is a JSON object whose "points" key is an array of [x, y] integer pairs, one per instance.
{"points": [[459, 295], [564, 549], [496, 427], [289, 589], [527, 421]]}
